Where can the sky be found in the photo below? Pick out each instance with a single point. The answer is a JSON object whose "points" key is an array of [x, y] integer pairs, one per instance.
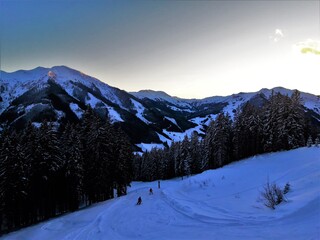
{"points": [[189, 49]]}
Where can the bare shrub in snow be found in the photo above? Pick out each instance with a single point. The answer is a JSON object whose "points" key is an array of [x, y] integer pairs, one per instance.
{"points": [[272, 195], [287, 188]]}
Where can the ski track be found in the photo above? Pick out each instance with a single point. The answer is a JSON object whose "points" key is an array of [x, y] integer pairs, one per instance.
{"points": [[217, 204]]}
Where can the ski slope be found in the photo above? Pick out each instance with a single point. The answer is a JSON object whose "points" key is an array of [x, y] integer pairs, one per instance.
{"points": [[217, 204]]}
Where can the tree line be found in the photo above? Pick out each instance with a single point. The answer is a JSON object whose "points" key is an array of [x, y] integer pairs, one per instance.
{"points": [[46, 171], [281, 124]]}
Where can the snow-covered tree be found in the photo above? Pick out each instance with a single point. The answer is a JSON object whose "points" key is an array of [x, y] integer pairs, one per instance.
{"points": [[195, 155], [219, 141], [72, 166], [317, 142], [309, 141], [247, 132], [185, 153]]}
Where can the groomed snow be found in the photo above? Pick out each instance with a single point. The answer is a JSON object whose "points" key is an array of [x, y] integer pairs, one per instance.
{"points": [[140, 109], [217, 204]]}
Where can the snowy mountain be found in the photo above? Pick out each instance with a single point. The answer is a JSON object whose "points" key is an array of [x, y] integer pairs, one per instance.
{"points": [[150, 118], [230, 103], [224, 203]]}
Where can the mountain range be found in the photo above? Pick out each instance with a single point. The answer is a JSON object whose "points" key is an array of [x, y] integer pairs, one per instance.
{"points": [[150, 118]]}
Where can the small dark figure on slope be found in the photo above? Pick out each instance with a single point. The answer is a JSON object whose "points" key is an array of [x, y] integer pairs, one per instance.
{"points": [[139, 201]]}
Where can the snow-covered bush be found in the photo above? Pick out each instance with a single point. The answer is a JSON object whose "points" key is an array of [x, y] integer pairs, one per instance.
{"points": [[272, 195]]}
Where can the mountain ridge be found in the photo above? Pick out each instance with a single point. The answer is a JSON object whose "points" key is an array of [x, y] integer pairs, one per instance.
{"points": [[61, 94]]}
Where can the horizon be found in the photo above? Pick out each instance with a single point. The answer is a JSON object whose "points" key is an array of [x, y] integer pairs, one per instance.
{"points": [[160, 91], [185, 48]]}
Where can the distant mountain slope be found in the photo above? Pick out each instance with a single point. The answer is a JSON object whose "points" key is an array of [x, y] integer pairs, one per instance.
{"points": [[224, 203], [61, 94]]}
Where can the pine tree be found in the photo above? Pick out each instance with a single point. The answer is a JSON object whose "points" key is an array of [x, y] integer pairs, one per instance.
{"points": [[185, 164], [176, 147], [46, 166], [209, 147], [317, 142], [269, 124], [247, 132], [219, 141], [13, 180], [87, 129], [72, 167], [309, 141], [195, 153], [124, 156], [296, 122]]}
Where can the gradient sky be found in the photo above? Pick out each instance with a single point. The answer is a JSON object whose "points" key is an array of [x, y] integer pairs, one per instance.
{"points": [[190, 49]]}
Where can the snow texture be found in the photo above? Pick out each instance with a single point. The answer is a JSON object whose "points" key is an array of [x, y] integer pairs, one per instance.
{"points": [[217, 204]]}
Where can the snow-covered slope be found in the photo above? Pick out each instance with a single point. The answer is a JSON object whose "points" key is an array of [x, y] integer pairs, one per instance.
{"points": [[202, 111], [16, 83], [217, 204], [231, 102], [161, 96], [60, 94]]}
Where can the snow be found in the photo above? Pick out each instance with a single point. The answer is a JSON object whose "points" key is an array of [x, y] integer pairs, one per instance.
{"points": [[312, 102], [59, 114], [217, 204], [36, 124], [146, 147], [172, 120], [17, 83], [179, 136], [204, 120], [29, 107], [164, 139], [161, 96], [92, 100], [140, 109], [114, 115], [181, 109], [76, 109]]}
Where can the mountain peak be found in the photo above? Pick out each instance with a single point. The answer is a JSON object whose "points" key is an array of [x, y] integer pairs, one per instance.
{"points": [[151, 94]]}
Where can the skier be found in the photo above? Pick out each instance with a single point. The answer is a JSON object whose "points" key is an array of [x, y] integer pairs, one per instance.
{"points": [[151, 191], [139, 201]]}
